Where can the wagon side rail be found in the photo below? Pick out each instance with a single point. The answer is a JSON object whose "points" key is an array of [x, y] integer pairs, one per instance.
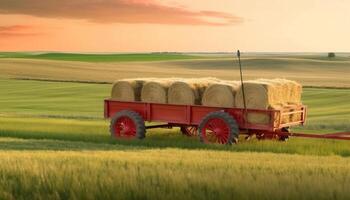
{"points": [[192, 114], [296, 115], [275, 119]]}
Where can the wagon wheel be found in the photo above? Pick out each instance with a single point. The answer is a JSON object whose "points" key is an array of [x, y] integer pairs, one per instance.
{"points": [[189, 130], [127, 124], [284, 138], [218, 127], [260, 136]]}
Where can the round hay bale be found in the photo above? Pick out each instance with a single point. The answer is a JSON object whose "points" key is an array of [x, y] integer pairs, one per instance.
{"points": [[127, 90], [258, 95], [188, 91], [268, 94], [280, 90], [182, 93], [220, 94], [155, 91]]}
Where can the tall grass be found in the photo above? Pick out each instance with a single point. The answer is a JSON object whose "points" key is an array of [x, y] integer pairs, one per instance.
{"points": [[171, 174], [72, 134]]}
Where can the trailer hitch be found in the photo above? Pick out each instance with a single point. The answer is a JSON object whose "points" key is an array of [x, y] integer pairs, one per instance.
{"points": [[337, 136]]}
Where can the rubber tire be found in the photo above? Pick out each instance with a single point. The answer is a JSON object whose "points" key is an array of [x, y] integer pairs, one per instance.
{"points": [[228, 119], [284, 138], [135, 117]]}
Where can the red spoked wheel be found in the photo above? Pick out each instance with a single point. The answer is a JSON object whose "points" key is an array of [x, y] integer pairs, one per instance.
{"points": [[218, 127], [127, 124], [124, 127], [216, 131], [189, 130]]}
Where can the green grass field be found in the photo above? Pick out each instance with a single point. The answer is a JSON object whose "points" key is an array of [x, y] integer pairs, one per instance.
{"points": [[61, 134], [54, 142]]}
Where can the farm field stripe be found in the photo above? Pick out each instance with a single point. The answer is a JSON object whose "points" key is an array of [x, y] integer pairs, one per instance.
{"points": [[171, 173]]}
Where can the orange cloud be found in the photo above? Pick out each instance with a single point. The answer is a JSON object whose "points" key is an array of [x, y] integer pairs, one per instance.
{"points": [[117, 11], [17, 30]]}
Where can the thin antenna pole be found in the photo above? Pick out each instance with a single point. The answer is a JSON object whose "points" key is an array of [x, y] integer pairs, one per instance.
{"points": [[242, 85]]}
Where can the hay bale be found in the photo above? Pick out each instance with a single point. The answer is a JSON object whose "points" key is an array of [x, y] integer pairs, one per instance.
{"points": [[291, 91], [188, 91], [221, 94], [155, 91], [293, 98], [282, 90], [258, 95], [268, 94], [295, 94], [127, 89]]}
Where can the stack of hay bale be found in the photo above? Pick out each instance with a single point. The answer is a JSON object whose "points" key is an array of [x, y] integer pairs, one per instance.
{"points": [[262, 94], [276, 94], [161, 90]]}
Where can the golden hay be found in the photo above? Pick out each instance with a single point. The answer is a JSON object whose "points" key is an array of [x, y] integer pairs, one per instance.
{"points": [[277, 94], [290, 91], [155, 90], [221, 94], [291, 95], [295, 94], [258, 95], [267, 94], [188, 91], [127, 89], [281, 90]]}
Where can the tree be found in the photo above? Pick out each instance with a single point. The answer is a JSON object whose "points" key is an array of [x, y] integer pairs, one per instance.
{"points": [[331, 55]]}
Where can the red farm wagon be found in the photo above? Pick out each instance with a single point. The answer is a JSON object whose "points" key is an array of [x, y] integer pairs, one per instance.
{"points": [[211, 124]]}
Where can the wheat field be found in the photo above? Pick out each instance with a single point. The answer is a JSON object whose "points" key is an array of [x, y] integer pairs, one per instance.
{"points": [[54, 142], [171, 174]]}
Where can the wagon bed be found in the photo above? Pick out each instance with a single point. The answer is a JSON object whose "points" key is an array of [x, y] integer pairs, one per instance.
{"points": [[192, 119]]}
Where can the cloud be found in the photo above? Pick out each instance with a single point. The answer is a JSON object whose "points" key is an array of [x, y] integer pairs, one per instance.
{"points": [[16, 31], [117, 11]]}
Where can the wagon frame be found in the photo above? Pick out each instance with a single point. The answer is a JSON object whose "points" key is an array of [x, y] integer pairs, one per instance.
{"points": [[190, 120]]}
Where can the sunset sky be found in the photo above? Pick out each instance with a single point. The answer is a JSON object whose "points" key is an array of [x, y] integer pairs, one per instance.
{"points": [[175, 25]]}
